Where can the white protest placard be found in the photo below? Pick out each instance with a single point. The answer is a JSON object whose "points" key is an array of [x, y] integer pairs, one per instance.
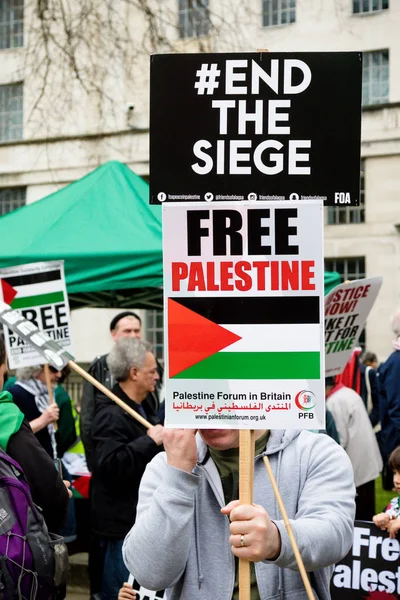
{"points": [[243, 291], [347, 307], [39, 293], [48, 350]]}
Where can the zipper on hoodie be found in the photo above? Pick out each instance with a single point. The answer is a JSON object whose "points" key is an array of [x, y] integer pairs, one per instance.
{"points": [[218, 498], [272, 451]]}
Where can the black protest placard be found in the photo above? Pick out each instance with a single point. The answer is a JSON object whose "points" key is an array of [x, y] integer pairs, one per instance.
{"points": [[371, 569], [255, 126]]}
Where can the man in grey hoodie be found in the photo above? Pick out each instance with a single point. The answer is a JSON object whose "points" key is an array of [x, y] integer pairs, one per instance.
{"points": [[190, 528]]}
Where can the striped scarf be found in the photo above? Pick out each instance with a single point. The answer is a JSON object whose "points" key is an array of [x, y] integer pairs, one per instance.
{"points": [[40, 393]]}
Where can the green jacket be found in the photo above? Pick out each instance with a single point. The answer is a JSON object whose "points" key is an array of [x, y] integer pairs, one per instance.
{"points": [[10, 419]]}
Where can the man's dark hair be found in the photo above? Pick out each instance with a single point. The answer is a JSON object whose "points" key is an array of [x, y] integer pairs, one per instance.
{"points": [[329, 381], [2, 351], [368, 358], [122, 315], [394, 460]]}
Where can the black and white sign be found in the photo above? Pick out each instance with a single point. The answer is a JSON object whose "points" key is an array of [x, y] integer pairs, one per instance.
{"points": [[371, 569], [143, 593], [50, 351], [255, 126], [39, 291]]}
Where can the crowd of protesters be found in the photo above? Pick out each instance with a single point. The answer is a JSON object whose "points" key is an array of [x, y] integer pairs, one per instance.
{"points": [[188, 479]]}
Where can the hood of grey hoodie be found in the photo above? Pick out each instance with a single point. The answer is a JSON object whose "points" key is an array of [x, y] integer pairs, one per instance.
{"points": [[277, 441]]}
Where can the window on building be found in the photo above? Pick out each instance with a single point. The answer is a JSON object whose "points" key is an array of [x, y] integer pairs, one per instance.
{"points": [[194, 18], [278, 12], [348, 268], [11, 199], [375, 77], [155, 332], [11, 112], [340, 215], [369, 6], [11, 24]]}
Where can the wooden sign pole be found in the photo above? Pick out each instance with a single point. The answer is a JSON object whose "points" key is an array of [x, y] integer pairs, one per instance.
{"points": [[246, 485], [49, 389], [288, 526]]}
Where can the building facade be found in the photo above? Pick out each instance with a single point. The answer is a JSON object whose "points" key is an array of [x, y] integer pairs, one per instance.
{"points": [[74, 93]]}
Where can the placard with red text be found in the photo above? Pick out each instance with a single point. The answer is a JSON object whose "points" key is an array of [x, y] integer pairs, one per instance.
{"points": [[347, 307], [243, 289]]}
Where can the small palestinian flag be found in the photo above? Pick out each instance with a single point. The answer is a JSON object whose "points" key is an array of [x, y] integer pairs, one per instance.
{"points": [[244, 338], [33, 289]]}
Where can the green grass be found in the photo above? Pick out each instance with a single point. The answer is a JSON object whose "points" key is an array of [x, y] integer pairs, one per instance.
{"points": [[382, 497]]}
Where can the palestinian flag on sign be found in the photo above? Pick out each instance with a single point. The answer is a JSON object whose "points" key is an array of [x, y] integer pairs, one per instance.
{"points": [[33, 289], [244, 338]]}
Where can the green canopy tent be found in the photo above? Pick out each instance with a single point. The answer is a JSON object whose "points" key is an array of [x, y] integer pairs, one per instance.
{"points": [[104, 229]]}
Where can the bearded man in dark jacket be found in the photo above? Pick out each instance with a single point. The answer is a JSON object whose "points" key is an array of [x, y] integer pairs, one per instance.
{"points": [[125, 324], [122, 448]]}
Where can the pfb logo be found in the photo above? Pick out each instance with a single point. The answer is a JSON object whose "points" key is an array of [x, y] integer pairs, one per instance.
{"points": [[305, 400]]}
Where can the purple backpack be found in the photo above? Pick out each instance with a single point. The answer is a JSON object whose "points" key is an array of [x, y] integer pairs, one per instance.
{"points": [[27, 553]]}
